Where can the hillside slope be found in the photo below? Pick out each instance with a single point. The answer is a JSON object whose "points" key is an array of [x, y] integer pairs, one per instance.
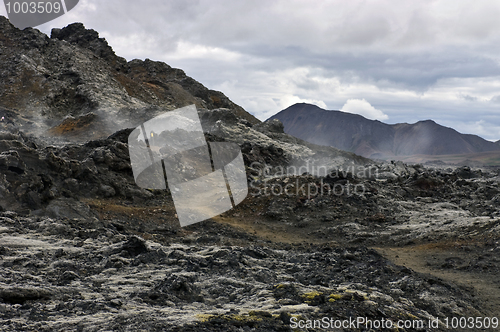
{"points": [[74, 84]]}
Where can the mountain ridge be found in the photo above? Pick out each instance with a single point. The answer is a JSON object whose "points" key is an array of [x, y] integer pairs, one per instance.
{"points": [[375, 139]]}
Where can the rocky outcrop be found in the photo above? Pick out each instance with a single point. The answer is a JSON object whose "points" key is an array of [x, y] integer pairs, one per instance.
{"points": [[34, 173], [75, 73]]}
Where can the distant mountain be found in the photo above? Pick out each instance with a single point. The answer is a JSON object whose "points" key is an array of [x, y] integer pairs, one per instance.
{"points": [[375, 139]]}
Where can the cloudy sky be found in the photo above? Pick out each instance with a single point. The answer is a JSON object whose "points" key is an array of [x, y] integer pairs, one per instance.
{"points": [[395, 61]]}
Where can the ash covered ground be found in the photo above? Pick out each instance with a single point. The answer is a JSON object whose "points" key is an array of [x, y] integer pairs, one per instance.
{"points": [[84, 249]]}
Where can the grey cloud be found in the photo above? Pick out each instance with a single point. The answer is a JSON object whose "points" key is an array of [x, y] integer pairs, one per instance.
{"points": [[407, 70], [307, 83]]}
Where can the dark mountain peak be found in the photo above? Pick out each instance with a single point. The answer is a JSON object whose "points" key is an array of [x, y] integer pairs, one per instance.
{"points": [[302, 105], [375, 139], [4, 22], [311, 108], [77, 34], [27, 38], [427, 122]]}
